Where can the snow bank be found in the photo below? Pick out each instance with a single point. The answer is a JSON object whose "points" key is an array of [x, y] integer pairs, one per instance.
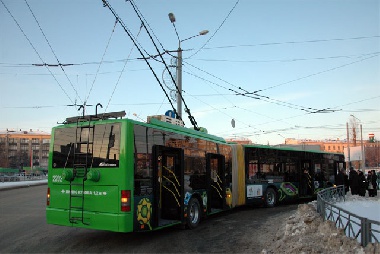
{"points": [[306, 232]]}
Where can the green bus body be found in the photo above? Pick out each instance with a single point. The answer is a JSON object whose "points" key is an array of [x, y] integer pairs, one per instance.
{"points": [[126, 176]]}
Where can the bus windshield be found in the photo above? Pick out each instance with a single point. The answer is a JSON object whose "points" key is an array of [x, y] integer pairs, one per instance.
{"points": [[96, 146]]}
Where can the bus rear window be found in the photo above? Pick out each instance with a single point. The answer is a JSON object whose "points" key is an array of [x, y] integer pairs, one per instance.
{"points": [[94, 147]]}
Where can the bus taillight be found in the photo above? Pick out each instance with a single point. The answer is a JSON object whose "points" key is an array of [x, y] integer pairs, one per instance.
{"points": [[48, 197], [125, 200]]}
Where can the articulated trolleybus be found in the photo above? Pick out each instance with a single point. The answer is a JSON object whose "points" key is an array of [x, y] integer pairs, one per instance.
{"points": [[116, 174]]}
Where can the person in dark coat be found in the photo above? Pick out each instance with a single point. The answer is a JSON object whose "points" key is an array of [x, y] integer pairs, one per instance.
{"points": [[354, 181], [320, 178], [305, 183], [374, 181], [346, 182], [371, 180], [339, 178], [362, 184]]}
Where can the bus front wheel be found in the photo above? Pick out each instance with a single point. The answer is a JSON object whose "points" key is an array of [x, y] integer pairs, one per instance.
{"points": [[270, 197], [193, 213]]}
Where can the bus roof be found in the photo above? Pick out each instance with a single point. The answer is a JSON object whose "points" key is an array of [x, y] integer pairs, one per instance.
{"points": [[179, 129], [287, 148], [72, 122]]}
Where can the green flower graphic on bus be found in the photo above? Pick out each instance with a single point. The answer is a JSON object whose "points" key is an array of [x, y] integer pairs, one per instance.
{"points": [[287, 189], [144, 211]]}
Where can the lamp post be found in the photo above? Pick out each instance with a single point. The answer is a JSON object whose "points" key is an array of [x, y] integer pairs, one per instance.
{"points": [[361, 142], [179, 64], [282, 137]]}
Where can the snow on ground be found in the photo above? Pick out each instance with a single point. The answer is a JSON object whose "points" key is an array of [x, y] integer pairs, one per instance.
{"points": [[368, 207], [16, 184], [306, 232]]}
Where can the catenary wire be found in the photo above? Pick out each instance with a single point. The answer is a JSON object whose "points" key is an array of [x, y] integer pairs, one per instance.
{"points": [[51, 48], [187, 110], [217, 30], [35, 50], [104, 53], [295, 42], [106, 4], [121, 73]]}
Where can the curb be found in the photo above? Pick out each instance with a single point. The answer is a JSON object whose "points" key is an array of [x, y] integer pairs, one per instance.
{"points": [[25, 185]]}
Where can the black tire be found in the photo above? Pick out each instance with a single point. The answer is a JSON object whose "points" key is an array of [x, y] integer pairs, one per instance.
{"points": [[270, 198], [194, 213]]}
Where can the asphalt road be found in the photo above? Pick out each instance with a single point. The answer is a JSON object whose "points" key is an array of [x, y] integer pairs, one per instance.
{"points": [[24, 230]]}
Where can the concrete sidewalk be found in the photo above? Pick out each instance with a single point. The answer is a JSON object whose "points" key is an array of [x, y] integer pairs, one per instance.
{"points": [[21, 184]]}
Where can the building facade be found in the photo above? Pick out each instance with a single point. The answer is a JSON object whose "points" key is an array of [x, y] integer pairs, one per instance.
{"points": [[332, 146], [24, 149], [370, 149]]}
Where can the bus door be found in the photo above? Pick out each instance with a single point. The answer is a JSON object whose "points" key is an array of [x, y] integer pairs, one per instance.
{"points": [[215, 170], [168, 185], [338, 166], [306, 187]]}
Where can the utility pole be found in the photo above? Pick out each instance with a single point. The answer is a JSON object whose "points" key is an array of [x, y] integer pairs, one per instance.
{"points": [[362, 146], [179, 64], [179, 81], [348, 145], [361, 141]]}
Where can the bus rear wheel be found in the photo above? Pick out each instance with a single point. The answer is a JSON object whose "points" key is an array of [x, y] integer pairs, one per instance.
{"points": [[193, 213], [270, 197]]}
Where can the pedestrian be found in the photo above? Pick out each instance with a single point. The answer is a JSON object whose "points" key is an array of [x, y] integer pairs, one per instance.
{"points": [[369, 186], [372, 182], [305, 183], [320, 178], [354, 181], [375, 179], [362, 184], [346, 182], [339, 178]]}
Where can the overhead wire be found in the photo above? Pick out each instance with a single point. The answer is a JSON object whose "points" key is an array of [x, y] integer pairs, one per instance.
{"points": [[326, 110], [104, 53], [295, 42], [143, 20], [187, 110], [288, 60], [106, 4], [255, 94], [121, 73], [302, 115], [35, 50], [320, 72], [196, 59], [52, 50], [217, 30], [247, 92], [147, 25]]}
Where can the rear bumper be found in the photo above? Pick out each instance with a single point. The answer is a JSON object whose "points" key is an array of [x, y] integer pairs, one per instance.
{"points": [[122, 222]]}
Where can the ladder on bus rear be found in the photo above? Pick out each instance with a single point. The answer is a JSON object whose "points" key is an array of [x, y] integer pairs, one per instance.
{"points": [[82, 157]]}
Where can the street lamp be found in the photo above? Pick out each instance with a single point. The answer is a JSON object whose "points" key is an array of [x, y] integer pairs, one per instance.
{"points": [[179, 64], [361, 142]]}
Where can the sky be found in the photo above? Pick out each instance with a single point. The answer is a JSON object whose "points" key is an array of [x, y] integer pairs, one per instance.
{"points": [[277, 68]]}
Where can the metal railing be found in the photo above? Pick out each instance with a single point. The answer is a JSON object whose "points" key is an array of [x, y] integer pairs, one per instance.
{"points": [[360, 228]]}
